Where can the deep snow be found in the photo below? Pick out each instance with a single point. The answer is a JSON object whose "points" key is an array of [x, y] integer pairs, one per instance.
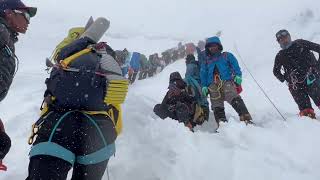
{"points": [[154, 149]]}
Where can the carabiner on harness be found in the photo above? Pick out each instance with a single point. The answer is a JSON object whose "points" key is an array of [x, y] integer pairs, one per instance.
{"points": [[34, 133]]}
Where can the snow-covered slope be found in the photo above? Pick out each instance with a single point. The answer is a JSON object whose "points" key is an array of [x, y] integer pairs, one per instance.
{"points": [[154, 149]]}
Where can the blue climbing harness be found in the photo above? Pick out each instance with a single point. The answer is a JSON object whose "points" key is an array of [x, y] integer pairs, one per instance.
{"points": [[53, 149]]}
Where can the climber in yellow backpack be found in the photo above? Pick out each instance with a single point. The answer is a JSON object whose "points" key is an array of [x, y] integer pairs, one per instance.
{"points": [[81, 113]]}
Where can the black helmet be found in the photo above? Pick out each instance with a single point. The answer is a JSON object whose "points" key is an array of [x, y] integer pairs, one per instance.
{"points": [[17, 5], [282, 33]]}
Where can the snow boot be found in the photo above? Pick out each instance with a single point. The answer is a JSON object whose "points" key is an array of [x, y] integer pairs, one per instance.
{"points": [[160, 111], [5, 144], [309, 112], [239, 106], [219, 114]]}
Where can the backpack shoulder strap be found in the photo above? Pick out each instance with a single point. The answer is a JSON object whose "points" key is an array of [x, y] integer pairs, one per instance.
{"points": [[225, 55]]}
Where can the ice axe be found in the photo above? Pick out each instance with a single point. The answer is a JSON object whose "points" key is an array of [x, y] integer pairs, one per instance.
{"points": [[49, 63]]}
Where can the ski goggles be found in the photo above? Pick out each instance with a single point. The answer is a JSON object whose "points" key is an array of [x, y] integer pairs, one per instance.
{"points": [[24, 14], [282, 34]]}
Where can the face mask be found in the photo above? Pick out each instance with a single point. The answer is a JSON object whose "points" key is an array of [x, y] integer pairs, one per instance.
{"points": [[286, 45]]}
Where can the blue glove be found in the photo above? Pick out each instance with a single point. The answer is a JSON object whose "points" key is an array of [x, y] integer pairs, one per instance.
{"points": [[238, 80], [205, 91]]}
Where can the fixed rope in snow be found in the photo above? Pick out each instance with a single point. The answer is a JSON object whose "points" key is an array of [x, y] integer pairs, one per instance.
{"points": [[262, 90], [108, 172]]}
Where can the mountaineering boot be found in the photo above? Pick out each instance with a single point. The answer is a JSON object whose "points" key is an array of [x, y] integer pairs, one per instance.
{"points": [[246, 118], [239, 106], [5, 144], [219, 114], [308, 113]]}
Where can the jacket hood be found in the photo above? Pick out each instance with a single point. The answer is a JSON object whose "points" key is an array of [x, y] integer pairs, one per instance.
{"points": [[214, 40], [175, 76]]}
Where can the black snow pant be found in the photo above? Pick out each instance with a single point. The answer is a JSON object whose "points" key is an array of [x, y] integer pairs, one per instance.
{"points": [[179, 113], [133, 76], [153, 71], [5, 144], [51, 168], [80, 136], [143, 74], [302, 93]]}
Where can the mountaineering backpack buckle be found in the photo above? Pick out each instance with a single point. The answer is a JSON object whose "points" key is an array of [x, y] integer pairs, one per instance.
{"points": [[34, 133]]}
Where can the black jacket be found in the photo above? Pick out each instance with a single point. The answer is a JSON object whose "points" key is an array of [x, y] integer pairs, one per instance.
{"points": [[178, 93], [297, 60], [7, 60]]}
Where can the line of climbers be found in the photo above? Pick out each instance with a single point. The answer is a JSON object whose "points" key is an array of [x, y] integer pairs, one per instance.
{"points": [[134, 63]]}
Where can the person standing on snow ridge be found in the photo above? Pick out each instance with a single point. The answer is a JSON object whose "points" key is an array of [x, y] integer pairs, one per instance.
{"points": [[201, 45], [14, 19], [126, 64], [144, 67], [135, 64], [190, 48], [192, 78], [81, 111], [301, 71], [219, 72]]}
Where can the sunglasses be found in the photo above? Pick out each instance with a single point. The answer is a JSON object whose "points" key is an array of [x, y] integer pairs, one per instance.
{"points": [[282, 35], [24, 14]]}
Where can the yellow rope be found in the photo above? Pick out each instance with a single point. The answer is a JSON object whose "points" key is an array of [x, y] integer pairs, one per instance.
{"points": [[220, 85]]}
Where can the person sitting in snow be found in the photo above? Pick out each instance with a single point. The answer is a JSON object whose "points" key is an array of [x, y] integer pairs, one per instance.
{"points": [[219, 72], [179, 103], [301, 71]]}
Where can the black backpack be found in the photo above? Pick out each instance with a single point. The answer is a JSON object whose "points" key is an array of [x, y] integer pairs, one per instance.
{"points": [[79, 87]]}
